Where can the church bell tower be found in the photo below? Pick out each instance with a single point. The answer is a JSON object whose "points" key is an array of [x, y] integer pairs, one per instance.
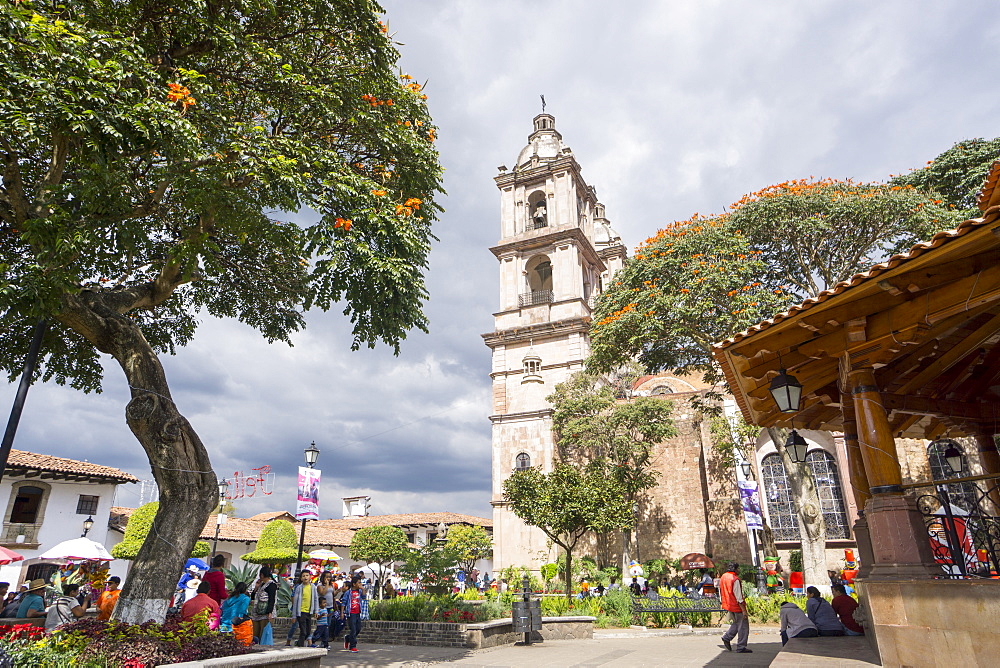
{"points": [[556, 251]]}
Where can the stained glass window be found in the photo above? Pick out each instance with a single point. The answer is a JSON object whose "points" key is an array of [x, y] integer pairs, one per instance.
{"points": [[781, 507], [961, 494]]}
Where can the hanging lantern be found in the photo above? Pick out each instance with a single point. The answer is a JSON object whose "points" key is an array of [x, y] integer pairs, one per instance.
{"points": [[955, 460], [787, 392], [796, 447]]}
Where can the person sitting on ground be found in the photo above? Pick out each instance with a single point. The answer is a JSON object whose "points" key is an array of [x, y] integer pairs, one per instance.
{"points": [[822, 615], [32, 603], [108, 598], [845, 606], [795, 624], [202, 601], [66, 608]]}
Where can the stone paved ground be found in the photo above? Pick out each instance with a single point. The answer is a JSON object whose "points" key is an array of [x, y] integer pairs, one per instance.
{"points": [[611, 652]]}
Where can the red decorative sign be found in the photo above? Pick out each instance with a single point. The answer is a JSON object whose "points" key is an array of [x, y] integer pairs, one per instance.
{"points": [[241, 486]]}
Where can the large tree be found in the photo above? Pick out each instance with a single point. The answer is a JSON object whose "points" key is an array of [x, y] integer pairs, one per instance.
{"points": [[380, 545], [957, 174], [470, 544], [590, 423], [567, 503], [154, 152], [700, 281]]}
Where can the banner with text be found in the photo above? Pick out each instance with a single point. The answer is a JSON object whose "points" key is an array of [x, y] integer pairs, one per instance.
{"points": [[307, 507], [750, 500]]}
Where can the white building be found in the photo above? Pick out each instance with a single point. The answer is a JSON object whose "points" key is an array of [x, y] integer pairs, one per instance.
{"points": [[48, 500], [557, 251]]}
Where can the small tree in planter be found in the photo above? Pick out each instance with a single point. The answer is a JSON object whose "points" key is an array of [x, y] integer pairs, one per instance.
{"points": [[434, 565], [277, 544], [379, 545], [470, 544]]}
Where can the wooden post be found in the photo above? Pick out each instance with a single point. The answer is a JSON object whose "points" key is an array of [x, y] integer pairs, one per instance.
{"points": [[900, 546], [855, 463], [858, 479], [989, 458]]}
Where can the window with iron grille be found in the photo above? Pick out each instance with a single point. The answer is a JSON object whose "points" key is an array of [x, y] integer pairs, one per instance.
{"points": [[781, 507], [522, 462], [961, 494], [87, 505]]}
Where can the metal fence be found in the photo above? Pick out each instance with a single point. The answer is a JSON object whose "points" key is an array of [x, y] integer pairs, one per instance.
{"points": [[535, 297], [963, 527]]}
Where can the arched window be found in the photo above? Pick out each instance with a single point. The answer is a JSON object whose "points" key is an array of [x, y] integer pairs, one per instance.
{"points": [[782, 509], [537, 211], [522, 462], [26, 505], [662, 389], [538, 272], [831, 494], [961, 494]]}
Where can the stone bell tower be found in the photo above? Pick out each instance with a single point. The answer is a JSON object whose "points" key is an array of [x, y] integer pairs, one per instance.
{"points": [[556, 253]]}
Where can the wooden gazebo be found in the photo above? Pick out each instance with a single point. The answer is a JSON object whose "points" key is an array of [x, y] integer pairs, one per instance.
{"points": [[906, 349]]}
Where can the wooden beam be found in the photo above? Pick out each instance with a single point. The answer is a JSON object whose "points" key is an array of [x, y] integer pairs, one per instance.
{"points": [[935, 275], [945, 361], [984, 376], [919, 405], [901, 422]]}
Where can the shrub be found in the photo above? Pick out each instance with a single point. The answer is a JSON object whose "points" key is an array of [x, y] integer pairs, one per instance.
{"points": [[139, 524], [766, 609], [277, 544]]}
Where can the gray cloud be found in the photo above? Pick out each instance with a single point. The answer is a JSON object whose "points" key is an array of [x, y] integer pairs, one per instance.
{"points": [[671, 108]]}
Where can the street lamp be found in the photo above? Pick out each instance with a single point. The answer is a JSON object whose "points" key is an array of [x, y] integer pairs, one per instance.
{"points": [[312, 454], [88, 524], [787, 392], [220, 518], [796, 447], [747, 469]]}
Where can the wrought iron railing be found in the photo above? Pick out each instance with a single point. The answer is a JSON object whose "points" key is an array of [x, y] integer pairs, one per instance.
{"points": [[963, 528], [535, 297], [538, 224]]}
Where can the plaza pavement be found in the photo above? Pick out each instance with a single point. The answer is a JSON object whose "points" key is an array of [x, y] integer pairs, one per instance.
{"points": [[608, 649]]}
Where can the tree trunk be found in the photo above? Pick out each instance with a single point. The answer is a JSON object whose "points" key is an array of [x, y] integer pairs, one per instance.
{"points": [[179, 461], [626, 552], [812, 526], [569, 574]]}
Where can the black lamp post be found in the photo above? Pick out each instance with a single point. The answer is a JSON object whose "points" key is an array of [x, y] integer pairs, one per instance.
{"points": [[796, 447], [312, 454], [88, 524], [787, 392], [747, 469], [220, 518]]}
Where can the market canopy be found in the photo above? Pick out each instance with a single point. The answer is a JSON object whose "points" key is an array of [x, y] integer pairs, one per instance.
{"points": [[78, 549], [927, 322], [696, 560]]}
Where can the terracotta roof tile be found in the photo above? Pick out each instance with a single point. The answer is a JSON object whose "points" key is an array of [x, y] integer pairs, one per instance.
{"points": [[990, 194], [917, 250], [21, 460], [408, 519]]}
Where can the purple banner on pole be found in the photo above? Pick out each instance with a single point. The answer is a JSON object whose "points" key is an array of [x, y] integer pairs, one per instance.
{"points": [[307, 507], [750, 500]]}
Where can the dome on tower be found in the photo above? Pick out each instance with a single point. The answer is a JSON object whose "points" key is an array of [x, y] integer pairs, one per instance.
{"points": [[604, 234], [545, 142]]}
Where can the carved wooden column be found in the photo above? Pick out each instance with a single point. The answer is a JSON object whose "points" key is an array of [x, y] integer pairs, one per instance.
{"points": [[898, 535], [858, 479]]}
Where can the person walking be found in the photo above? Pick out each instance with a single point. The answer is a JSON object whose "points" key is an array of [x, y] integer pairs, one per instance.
{"points": [[264, 596], [731, 594], [217, 579], [322, 632], [108, 598], [822, 614], [356, 607], [305, 605]]}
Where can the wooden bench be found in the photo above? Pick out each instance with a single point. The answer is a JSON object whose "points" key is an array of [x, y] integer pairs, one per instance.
{"points": [[679, 605]]}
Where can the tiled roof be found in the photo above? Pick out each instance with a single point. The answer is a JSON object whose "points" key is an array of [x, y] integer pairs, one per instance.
{"points": [[408, 519], [919, 249], [272, 515], [21, 462], [990, 196]]}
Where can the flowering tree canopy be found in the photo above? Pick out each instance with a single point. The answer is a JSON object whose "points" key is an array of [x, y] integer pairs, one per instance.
{"points": [[154, 154]]}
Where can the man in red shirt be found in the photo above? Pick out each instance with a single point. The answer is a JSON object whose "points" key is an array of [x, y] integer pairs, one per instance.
{"points": [[202, 601], [845, 606], [731, 595]]}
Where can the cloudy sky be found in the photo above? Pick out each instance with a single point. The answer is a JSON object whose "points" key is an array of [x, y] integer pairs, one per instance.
{"points": [[671, 108]]}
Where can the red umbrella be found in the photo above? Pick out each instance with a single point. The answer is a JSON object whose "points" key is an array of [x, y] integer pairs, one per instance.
{"points": [[9, 556]]}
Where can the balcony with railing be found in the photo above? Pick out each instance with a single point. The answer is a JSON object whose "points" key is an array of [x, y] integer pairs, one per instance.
{"points": [[534, 298]]}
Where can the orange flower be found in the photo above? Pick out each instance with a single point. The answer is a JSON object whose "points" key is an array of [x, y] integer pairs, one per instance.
{"points": [[344, 223], [379, 193], [413, 202]]}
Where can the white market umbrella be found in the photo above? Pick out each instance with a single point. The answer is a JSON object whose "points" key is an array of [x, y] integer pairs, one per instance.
{"points": [[324, 555], [78, 549]]}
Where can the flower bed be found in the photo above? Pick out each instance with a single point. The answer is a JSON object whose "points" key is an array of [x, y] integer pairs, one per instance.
{"points": [[93, 643]]}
